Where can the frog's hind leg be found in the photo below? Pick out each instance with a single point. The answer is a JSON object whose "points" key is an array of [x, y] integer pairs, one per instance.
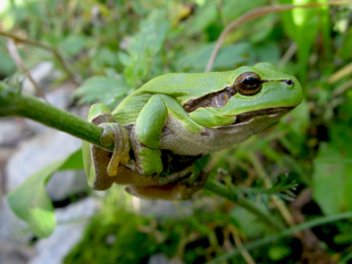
{"points": [[179, 190]]}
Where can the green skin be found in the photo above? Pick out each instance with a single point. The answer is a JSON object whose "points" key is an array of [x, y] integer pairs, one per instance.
{"points": [[189, 114]]}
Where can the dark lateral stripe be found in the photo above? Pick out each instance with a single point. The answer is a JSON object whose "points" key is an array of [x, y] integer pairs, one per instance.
{"points": [[216, 100]]}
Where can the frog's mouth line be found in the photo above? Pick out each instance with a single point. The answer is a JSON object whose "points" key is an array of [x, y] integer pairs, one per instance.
{"points": [[270, 113]]}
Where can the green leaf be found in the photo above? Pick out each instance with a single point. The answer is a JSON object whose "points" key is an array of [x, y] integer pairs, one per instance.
{"points": [[205, 15], [73, 44], [104, 57], [277, 253], [267, 51], [332, 181], [106, 90], [7, 65], [31, 202], [73, 162]]}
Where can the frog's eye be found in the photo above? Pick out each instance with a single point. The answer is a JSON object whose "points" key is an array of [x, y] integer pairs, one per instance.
{"points": [[248, 83]]}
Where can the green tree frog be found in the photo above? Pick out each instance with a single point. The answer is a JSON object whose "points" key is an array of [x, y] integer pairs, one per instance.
{"points": [[159, 130]]}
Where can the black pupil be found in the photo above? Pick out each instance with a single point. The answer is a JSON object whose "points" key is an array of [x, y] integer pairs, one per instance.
{"points": [[251, 82]]}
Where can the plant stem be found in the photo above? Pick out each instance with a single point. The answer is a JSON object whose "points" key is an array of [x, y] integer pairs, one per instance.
{"points": [[228, 193], [14, 103]]}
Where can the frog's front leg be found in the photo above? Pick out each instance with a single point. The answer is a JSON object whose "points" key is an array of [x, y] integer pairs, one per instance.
{"points": [[116, 135], [100, 164]]}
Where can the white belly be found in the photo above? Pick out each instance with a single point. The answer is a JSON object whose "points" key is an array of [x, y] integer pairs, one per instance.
{"points": [[183, 142]]}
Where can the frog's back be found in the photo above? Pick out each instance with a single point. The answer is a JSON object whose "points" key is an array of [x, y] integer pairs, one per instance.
{"points": [[181, 86], [186, 86]]}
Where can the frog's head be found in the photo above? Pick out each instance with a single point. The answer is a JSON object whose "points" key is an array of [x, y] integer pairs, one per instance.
{"points": [[261, 89], [253, 99], [256, 97]]}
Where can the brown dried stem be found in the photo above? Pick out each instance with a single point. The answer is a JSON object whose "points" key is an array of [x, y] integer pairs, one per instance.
{"points": [[13, 51], [53, 51]]}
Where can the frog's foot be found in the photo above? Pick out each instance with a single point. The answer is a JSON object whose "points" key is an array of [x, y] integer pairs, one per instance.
{"points": [[181, 190], [99, 179], [115, 134]]}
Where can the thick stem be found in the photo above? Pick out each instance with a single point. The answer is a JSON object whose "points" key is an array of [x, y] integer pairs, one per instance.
{"points": [[14, 103]]}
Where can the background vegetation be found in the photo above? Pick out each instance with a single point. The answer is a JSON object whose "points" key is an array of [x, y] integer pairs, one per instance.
{"points": [[297, 171]]}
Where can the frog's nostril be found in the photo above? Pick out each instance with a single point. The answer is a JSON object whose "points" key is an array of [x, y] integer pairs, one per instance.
{"points": [[289, 82]]}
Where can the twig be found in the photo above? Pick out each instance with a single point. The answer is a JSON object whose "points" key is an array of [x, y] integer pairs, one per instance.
{"points": [[53, 51], [244, 252], [309, 240], [288, 54], [253, 14], [12, 49], [340, 90], [343, 72]]}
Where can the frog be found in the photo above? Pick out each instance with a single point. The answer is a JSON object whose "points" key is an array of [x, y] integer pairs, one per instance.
{"points": [[155, 136]]}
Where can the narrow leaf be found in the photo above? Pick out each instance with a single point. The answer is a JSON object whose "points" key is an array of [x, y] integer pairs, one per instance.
{"points": [[31, 202]]}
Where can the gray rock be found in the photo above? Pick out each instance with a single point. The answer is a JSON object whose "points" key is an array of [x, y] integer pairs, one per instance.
{"points": [[14, 253], [60, 97], [12, 229], [40, 152], [14, 237], [71, 223], [43, 74], [66, 183], [5, 153], [12, 131]]}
